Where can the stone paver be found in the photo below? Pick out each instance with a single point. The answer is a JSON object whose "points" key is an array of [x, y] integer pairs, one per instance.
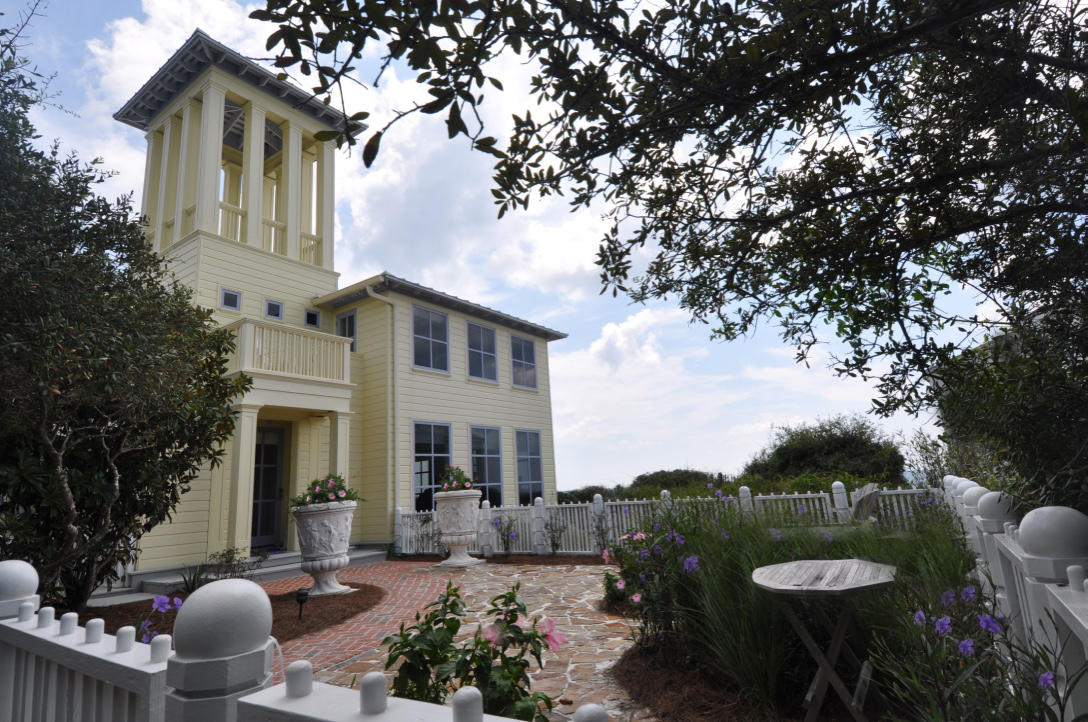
{"points": [[569, 593]]}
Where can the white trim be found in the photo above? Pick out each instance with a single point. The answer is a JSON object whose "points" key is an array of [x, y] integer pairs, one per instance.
{"points": [[513, 361], [446, 317], [494, 354]]}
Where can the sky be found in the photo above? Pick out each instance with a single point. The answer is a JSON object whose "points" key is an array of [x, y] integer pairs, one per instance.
{"points": [[635, 388]]}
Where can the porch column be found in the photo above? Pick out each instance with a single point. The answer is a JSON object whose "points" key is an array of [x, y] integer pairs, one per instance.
{"points": [[253, 174], [185, 170], [338, 444], [326, 201], [210, 159], [150, 197], [240, 514]]}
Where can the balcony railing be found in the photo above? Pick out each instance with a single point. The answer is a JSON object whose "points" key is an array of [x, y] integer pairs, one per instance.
{"points": [[310, 250], [274, 236], [279, 349], [230, 221]]}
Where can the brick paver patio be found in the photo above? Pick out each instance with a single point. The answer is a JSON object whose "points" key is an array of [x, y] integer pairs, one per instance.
{"points": [[568, 593]]}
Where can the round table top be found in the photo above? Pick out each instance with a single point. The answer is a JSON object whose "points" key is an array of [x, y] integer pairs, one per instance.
{"points": [[823, 577]]}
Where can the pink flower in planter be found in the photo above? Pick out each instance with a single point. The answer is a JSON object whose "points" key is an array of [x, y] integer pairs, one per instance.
{"points": [[308, 498], [621, 584], [446, 486], [332, 496], [342, 493], [491, 634], [331, 483], [468, 484], [606, 556], [636, 598]]}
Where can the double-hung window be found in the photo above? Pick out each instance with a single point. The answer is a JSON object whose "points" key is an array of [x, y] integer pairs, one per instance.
{"points": [[482, 362], [487, 463], [345, 326], [430, 339], [530, 471], [432, 458], [523, 353]]}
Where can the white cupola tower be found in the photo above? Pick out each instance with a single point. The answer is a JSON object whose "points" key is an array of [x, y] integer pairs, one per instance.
{"points": [[237, 191]]}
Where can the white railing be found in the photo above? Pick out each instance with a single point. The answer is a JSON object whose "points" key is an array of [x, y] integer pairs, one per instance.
{"points": [[310, 249], [1037, 571], [55, 671], [230, 221], [588, 524], [274, 236], [277, 348]]}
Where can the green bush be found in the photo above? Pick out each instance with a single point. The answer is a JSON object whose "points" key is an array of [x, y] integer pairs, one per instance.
{"points": [[688, 573], [840, 445]]}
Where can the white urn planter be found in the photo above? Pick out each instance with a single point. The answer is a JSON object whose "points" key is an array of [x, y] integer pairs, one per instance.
{"points": [[457, 515], [323, 531]]}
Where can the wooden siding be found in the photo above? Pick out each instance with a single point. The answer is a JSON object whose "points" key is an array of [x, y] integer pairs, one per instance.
{"points": [[369, 452]]}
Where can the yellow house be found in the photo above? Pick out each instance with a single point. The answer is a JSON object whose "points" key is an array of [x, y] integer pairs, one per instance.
{"points": [[385, 381]]}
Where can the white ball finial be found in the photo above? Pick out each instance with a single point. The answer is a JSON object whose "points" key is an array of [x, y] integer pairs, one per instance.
{"points": [[222, 619], [997, 506], [18, 580], [1054, 532], [972, 495]]}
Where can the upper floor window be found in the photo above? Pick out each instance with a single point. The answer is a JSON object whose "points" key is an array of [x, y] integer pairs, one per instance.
{"points": [[230, 299], [432, 456], [482, 362], [523, 354], [313, 318], [430, 339], [487, 463], [273, 310], [345, 326], [530, 470]]}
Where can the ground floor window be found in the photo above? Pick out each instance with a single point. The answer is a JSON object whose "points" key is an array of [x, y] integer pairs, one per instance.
{"points": [[487, 464], [432, 457], [530, 471]]}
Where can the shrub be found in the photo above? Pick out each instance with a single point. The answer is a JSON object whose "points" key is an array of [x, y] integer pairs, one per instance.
{"points": [[554, 528], [688, 575], [840, 445], [322, 491], [505, 528], [495, 659]]}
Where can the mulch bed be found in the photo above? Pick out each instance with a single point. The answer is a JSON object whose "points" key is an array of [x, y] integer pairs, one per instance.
{"points": [[530, 559], [678, 695], [318, 613]]}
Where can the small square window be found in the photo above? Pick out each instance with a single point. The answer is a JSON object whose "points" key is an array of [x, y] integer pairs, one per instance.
{"points": [[230, 299], [273, 310], [313, 318]]}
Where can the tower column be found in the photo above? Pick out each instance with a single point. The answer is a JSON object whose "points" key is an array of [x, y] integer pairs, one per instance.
{"points": [[253, 174], [168, 172], [211, 158], [326, 201], [292, 177], [184, 171], [149, 199], [240, 514]]}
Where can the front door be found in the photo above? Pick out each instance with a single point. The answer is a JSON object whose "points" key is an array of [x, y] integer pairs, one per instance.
{"points": [[267, 488]]}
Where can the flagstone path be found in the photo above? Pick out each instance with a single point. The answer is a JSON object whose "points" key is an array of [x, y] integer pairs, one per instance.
{"points": [[574, 675]]}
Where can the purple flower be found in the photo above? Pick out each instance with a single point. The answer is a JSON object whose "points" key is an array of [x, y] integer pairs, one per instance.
{"points": [[642, 577], [988, 623], [800, 508], [513, 535], [657, 527], [718, 493], [1046, 680], [920, 618], [967, 594], [144, 625], [691, 564], [948, 598], [943, 626], [710, 485], [725, 535], [776, 535], [146, 638], [625, 511], [828, 537], [967, 647], [497, 523], [644, 554], [161, 603], [657, 549], [177, 602]]}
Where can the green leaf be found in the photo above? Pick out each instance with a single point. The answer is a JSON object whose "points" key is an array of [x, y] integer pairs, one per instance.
{"points": [[370, 150]]}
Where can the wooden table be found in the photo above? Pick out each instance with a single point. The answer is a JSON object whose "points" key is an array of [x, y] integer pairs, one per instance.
{"points": [[819, 579]]}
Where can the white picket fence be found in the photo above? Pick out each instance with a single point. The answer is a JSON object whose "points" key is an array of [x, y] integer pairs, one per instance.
{"points": [[215, 668], [1037, 569], [589, 527]]}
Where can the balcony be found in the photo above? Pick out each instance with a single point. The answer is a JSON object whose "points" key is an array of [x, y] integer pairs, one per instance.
{"points": [[276, 350]]}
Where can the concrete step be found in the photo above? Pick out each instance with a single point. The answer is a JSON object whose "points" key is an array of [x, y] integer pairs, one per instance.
{"points": [[108, 600], [279, 566]]}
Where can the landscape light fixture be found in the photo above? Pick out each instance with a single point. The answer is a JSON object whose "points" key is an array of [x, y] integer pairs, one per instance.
{"points": [[302, 596]]}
